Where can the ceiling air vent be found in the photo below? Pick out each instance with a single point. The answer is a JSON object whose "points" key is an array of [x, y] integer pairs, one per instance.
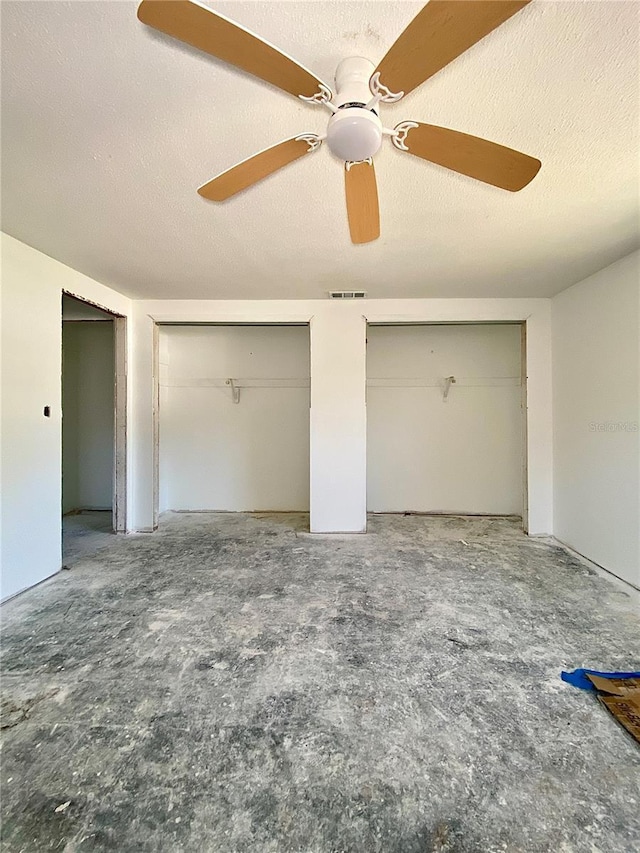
{"points": [[347, 294]]}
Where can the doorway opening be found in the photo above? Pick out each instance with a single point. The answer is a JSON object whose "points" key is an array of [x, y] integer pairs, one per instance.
{"points": [[93, 426], [446, 419], [233, 418]]}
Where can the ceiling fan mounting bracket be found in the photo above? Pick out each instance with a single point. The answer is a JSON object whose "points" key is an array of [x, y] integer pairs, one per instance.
{"points": [[399, 135], [313, 140], [380, 91], [349, 163], [322, 96]]}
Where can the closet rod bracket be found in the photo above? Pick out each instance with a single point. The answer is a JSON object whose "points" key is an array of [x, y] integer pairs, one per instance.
{"points": [[234, 390]]}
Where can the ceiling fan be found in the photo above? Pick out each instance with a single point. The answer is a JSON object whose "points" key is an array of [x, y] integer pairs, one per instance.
{"points": [[439, 33]]}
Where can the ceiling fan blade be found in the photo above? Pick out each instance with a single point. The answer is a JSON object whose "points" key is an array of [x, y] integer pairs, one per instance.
{"points": [[478, 158], [362, 201], [255, 168], [438, 34], [213, 33]]}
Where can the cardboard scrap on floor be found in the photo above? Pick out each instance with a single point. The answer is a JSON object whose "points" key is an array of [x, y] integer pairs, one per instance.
{"points": [[619, 692], [621, 696]]}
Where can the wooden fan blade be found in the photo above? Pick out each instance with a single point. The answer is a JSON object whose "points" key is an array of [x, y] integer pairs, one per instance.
{"points": [[438, 34], [222, 38], [255, 168], [362, 202], [478, 158]]}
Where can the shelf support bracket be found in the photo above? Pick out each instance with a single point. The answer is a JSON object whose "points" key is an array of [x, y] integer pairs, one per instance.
{"points": [[448, 382], [234, 390]]}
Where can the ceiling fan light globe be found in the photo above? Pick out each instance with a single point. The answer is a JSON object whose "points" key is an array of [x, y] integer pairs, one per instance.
{"points": [[354, 134]]}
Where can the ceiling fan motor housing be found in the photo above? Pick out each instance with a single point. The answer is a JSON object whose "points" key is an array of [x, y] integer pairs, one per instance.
{"points": [[354, 133]]}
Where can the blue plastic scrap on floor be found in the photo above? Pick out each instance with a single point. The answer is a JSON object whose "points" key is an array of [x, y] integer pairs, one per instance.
{"points": [[578, 677]]}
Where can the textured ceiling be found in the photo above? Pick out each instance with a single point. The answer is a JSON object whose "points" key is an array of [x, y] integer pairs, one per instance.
{"points": [[109, 128]]}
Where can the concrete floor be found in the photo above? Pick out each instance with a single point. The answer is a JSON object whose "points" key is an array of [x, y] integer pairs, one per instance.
{"points": [[85, 533], [233, 684]]}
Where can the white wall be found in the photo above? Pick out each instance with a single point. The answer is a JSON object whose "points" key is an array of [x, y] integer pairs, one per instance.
{"points": [[338, 405], [88, 416], [219, 455], [459, 455], [596, 390], [30, 453]]}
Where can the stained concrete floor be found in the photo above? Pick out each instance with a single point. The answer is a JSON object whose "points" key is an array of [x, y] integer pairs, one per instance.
{"points": [[232, 684]]}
